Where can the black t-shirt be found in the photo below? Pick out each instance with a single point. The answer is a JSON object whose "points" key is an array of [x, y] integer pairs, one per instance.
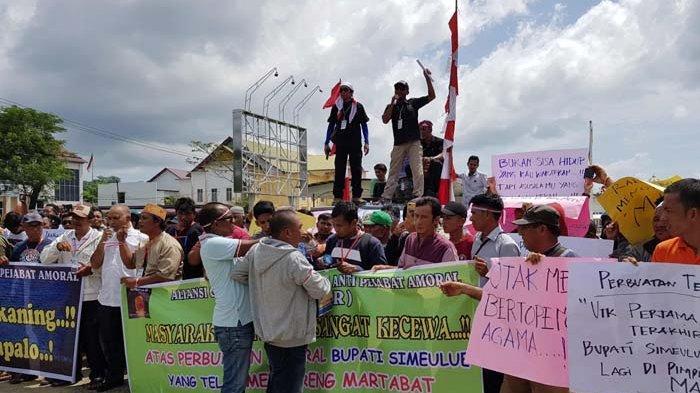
{"points": [[432, 177], [366, 252], [378, 189], [351, 136], [408, 111], [187, 240]]}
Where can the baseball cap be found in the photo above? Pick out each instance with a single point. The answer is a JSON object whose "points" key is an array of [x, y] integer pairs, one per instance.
{"points": [[348, 85], [80, 210], [378, 218], [401, 83], [540, 214], [32, 217], [156, 210], [236, 210], [454, 209]]}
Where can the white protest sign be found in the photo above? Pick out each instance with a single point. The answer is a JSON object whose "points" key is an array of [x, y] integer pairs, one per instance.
{"points": [[634, 328], [540, 173], [52, 234], [583, 247]]}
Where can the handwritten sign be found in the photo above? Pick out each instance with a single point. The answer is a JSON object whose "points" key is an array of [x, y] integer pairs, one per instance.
{"points": [[630, 202], [520, 326], [583, 247], [540, 173], [634, 328]]}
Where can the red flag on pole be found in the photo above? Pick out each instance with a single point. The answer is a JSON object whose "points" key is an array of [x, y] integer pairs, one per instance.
{"points": [[445, 193]]}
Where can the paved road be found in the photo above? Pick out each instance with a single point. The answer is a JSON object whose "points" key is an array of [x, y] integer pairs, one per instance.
{"points": [[33, 386]]}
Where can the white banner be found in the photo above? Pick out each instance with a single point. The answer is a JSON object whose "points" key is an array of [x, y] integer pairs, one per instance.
{"points": [[634, 328]]}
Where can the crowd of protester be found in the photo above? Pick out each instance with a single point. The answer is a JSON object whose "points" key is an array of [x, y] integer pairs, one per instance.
{"points": [[267, 282]]}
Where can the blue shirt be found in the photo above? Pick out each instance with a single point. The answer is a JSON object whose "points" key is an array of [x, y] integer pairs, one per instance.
{"points": [[25, 252], [232, 304]]}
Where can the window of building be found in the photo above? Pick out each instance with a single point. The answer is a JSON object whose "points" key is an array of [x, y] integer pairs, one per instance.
{"points": [[69, 188], [229, 194], [200, 195], [214, 195]]}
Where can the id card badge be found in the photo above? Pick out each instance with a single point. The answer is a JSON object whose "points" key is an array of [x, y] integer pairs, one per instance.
{"points": [[343, 124], [399, 124]]}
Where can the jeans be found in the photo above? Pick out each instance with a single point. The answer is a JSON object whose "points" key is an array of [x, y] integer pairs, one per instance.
{"points": [[287, 366], [235, 344]]}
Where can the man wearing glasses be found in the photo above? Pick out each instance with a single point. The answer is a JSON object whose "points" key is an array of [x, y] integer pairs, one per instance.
{"points": [[344, 123], [161, 258]]}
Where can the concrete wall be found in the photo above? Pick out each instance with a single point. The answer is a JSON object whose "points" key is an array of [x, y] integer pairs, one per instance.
{"points": [[167, 181], [136, 193]]}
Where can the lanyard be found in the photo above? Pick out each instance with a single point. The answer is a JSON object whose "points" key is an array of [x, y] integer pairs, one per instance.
{"points": [[354, 243], [484, 243]]}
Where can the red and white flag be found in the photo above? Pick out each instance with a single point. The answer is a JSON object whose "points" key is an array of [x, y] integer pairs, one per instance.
{"points": [[445, 193], [335, 96], [89, 165]]}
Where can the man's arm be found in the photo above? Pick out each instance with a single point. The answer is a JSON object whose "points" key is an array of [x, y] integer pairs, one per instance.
{"points": [[386, 116], [98, 257], [128, 257], [50, 253], [304, 275], [241, 268], [429, 82]]}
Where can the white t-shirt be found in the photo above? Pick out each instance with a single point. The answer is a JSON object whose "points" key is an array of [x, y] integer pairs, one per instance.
{"points": [[472, 185], [113, 268]]}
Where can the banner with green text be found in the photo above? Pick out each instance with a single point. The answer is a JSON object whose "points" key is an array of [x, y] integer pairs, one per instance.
{"points": [[388, 331]]}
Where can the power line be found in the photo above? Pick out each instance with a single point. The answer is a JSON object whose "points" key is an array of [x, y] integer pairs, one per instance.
{"points": [[111, 135]]}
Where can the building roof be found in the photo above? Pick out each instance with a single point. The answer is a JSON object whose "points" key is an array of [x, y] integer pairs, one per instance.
{"points": [[69, 156], [318, 162], [181, 174]]}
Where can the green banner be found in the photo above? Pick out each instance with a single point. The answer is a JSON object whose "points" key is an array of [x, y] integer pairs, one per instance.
{"points": [[387, 331]]}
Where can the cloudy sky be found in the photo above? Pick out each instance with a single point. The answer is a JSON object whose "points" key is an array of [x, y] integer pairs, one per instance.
{"points": [[532, 73]]}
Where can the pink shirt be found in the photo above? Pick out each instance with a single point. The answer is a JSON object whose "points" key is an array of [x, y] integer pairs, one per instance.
{"points": [[434, 249], [239, 233]]}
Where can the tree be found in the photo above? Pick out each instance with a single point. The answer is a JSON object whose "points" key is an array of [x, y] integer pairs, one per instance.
{"points": [[90, 187], [30, 155]]}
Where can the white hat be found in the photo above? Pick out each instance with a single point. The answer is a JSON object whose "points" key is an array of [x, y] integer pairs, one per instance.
{"points": [[348, 85]]}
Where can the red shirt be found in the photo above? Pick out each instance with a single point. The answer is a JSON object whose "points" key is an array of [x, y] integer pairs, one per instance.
{"points": [[239, 233], [464, 247], [675, 250]]}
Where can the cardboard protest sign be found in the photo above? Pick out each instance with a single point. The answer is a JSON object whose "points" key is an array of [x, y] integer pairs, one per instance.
{"points": [[41, 309], [540, 173], [520, 323], [630, 202], [634, 328]]}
